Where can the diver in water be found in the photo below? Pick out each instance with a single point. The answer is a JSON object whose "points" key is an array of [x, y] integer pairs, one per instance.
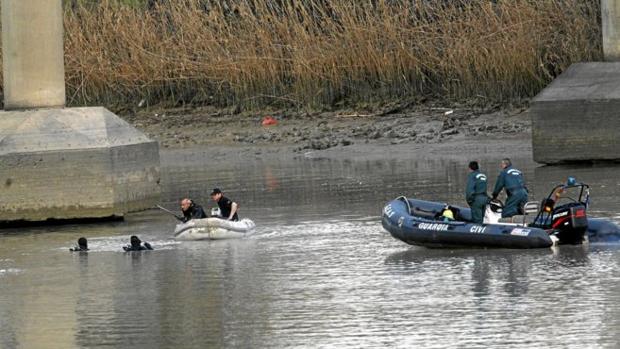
{"points": [[82, 245], [137, 245], [512, 181], [191, 211], [228, 208], [476, 192]]}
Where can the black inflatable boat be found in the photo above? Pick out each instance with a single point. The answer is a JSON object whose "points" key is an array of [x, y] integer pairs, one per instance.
{"points": [[561, 218]]}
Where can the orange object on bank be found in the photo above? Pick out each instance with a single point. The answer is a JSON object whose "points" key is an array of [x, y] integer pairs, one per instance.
{"points": [[269, 121]]}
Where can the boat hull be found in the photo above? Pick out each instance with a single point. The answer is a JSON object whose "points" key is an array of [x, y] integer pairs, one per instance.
{"points": [[213, 229], [426, 230], [601, 230]]}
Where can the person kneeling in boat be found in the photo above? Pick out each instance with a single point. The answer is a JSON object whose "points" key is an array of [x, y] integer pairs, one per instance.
{"points": [[512, 181], [137, 245], [476, 192], [191, 211], [228, 208]]}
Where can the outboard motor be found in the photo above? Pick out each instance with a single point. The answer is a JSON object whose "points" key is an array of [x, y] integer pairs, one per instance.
{"points": [[569, 223], [563, 213]]}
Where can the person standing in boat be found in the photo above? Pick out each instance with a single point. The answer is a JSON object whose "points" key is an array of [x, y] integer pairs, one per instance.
{"points": [[191, 210], [228, 208], [476, 192], [512, 181]]}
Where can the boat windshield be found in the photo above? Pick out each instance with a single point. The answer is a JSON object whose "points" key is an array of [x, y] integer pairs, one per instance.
{"points": [[563, 195]]}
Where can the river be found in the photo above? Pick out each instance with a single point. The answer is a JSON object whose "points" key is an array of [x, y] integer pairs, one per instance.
{"points": [[319, 272]]}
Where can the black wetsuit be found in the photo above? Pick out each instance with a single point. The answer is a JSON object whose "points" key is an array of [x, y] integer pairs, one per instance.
{"points": [[138, 247], [193, 212], [82, 245], [225, 205]]}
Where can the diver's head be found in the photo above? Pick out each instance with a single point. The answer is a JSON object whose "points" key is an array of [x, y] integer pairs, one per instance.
{"points": [[135, 241], [83, 243]]}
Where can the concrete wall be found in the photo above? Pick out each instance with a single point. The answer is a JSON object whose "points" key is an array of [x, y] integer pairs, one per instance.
{"points": [[89, 183], [74, 163], [136, 176], [577, 117], [32, 53], [41, 185]]}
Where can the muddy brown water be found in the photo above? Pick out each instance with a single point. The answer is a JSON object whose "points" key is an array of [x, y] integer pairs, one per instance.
{"points": [[319, 272]]}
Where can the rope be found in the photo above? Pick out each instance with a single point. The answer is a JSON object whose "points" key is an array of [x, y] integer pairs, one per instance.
{"points": [[403, 198]]}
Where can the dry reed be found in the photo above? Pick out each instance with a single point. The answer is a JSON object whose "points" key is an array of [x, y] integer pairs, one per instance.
{"points": [[318, 53]]}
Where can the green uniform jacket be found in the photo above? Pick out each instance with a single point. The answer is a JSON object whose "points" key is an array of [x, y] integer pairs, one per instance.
{"points": [[511, 179], [476, 186]]}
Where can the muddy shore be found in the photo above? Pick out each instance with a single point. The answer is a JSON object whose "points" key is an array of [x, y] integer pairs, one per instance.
{"points": [[355, 133]]}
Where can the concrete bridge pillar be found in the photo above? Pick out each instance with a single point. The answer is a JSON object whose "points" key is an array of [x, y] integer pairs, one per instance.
{"points": [[610, 15], [55, 162], [32, 51]]}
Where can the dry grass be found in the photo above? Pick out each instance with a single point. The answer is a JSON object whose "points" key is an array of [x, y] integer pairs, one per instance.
{"points": [[313, 53]]}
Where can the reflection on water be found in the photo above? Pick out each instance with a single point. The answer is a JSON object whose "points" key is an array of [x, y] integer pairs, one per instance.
{"points": [[319, 272]]}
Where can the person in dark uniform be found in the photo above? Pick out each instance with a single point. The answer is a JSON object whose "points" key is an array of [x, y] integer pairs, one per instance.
{"points": [[512, 181], [228, 208], [82, 245], [191, 211], [476, 192], [137, 245]]}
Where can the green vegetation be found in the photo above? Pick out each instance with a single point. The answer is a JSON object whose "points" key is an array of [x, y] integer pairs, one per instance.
{"points": [[320, 53]]}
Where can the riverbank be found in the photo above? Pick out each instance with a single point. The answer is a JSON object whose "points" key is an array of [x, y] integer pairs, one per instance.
{"points": [[347, 131]]}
